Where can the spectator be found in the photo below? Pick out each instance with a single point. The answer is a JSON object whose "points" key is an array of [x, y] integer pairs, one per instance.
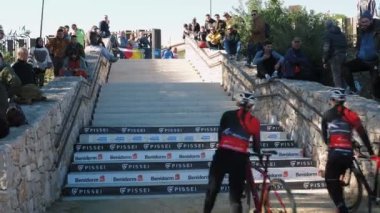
{"points": [[74, 46], [9, 78], [296, 64], [57, 47], [257, 38], [209, 23], [186, 31], [123, 40], [4, 126], [167, 54], [367, 54], [79, 33], [74, 65], [145, 44], [228, 19], [132, 42], [87, 40], [214, 39], [28, 92], [334, 52], [66, 34], [267, 61], [40, 59], [195, 28], [232, 43], [1, 32], [202, 35], [220, 25], [96, 47], [175, 52], [104, 27]]}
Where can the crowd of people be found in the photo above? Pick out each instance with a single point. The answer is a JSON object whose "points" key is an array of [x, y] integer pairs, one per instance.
{"points": [[221, 34]]}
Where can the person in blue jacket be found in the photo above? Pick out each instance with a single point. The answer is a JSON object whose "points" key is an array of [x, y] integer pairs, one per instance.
{"points": [[268, 61], [296, 64]]}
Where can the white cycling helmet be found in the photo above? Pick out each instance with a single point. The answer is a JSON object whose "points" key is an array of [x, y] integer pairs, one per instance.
{"points": [[338, 94], [247, 98]]}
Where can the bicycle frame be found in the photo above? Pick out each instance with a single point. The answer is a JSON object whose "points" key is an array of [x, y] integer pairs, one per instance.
{"points": [[260, 201]]}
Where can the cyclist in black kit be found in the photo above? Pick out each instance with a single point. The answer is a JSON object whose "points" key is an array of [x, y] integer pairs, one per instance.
{"points": [[236, 128], [337, 125]]}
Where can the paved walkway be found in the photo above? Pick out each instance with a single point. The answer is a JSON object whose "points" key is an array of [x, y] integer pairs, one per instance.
{"points": [[308, 203]]}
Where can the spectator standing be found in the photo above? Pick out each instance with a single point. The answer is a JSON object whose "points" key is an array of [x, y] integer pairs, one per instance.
{"points": [[232, 43], [257, 36], [202, 35], [104, 27], [96, 47], [228, 19], [57, 47], [267, 61], [79, 33], [214, 39], [334, 52], [220, 25], [175, 52], [167, 54], [296, 64], [195, 28], [39, 57], [186, 31], [209, 23], [66, 34], [1, 32], [123, 40], [368, 46]]}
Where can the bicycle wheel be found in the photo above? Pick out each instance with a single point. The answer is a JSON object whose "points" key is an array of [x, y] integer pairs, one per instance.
{"points": [[352, 189], [278, 198]]}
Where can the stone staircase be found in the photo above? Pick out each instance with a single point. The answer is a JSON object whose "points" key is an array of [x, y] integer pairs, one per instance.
{"points": [[154, 132]]}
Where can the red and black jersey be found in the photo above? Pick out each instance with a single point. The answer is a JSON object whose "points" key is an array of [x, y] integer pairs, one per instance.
{"points": [[236, 128], [337, 126]]}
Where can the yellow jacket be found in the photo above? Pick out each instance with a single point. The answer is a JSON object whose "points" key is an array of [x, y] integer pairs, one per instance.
{"points": [[214, 38]]}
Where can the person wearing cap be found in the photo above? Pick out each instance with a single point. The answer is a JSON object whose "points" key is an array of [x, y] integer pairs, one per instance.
{"points": [[209, 22], [296, 64], [232, 43], [367, 57], [334, 52], [337, 125], [220, 25], [236, 128]]}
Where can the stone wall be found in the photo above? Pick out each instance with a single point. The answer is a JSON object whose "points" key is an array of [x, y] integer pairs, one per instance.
{"points": [[34, 158], [296, 105]]}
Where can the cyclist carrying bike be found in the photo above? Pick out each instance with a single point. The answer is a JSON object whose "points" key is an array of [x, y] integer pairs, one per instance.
{"points": [[236, 128], [337, 125]]}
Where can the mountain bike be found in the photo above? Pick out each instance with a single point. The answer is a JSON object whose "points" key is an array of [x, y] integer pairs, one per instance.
{"points": [[271, 196], [354, 180]]}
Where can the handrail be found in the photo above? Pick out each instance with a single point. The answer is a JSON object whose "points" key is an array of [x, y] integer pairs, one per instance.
{"points": [[74, 109]]}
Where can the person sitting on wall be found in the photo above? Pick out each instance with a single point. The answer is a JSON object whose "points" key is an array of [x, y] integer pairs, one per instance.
{"points": [[232, 43], [296, 64], [268, 61], [202, 35], [9, 78], [214, 39], [74, 65]]}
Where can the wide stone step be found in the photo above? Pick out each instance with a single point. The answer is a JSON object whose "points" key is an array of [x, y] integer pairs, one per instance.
{"points": [[163, 109], [170, 176], [150, 146], [153, 91], [172, 155], [174, 189], [196, 86], [148, 123], [153, 97], [189, 165], [167, 103], [279, 138], [154, 78]]}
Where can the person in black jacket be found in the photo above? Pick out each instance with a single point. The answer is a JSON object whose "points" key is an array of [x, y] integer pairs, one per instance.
{"points": [[236, 128], [104, 27], [334, 52], [337, 125]]}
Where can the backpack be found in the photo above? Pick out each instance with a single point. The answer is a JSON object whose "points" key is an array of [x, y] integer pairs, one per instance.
{"points": [[15, 116]]}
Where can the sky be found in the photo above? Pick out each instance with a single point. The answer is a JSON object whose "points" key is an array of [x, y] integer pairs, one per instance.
{"points": [[167, 15]]}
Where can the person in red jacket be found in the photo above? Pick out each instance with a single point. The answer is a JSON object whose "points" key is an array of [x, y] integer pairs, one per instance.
{"points": [[337, 125], [235, 130]]}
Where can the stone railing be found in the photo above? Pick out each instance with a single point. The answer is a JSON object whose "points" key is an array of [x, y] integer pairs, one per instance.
{"points": [[34, 158], [296, 105]]}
